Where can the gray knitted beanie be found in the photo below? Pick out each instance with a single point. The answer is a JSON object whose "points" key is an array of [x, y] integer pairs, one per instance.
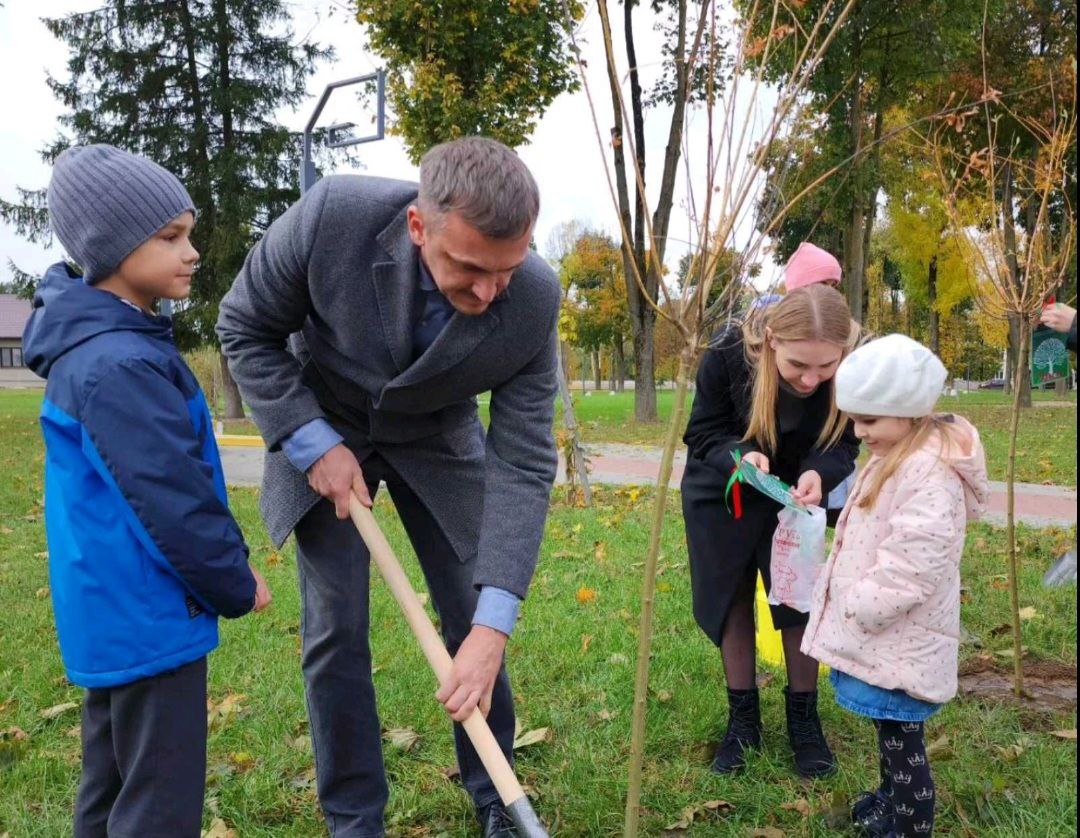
{"points": [[104, 202]]}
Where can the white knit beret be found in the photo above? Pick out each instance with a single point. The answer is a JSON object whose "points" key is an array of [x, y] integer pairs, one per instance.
{"points": [[890, 376]]}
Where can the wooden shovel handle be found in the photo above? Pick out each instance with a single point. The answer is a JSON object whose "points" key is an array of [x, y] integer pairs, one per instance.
{"points": [[476, 726]]}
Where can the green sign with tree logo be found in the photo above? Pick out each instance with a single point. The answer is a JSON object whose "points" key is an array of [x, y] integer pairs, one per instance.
{"points": [[1049, 357]]}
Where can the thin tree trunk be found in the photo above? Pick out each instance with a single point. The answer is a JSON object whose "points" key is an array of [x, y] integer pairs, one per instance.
{"points": [[1016, 325], [619, 363], [868, 231], [637, 114], [1010, 490], [871, 208], [853, 246], [856, 221], [687, 359], [579, 465], [598, 373], [935, 318]]}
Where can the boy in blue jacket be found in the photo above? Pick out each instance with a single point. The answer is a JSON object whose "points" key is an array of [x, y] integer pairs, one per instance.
{"points": [[144, 554]]}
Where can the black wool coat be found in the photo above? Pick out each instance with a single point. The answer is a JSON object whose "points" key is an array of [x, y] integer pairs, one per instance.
{"points": [[724, 551]]}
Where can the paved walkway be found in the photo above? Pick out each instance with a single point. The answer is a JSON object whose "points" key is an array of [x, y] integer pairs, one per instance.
{"points": [[1036, 505]]}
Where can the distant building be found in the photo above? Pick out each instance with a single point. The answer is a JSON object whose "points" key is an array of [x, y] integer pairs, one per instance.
{"points": [[13, 316]]}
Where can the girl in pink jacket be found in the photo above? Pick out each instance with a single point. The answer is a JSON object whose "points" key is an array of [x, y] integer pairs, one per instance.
{"points": [[886, 612]]}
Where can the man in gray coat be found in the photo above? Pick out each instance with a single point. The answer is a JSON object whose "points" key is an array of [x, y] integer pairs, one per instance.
{"points": [[403, 304]]}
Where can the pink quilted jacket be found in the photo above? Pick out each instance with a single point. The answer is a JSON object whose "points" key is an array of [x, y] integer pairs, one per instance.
{"points": [[887, 604]]}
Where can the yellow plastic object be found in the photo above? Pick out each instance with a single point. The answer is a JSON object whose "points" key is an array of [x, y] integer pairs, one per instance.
{"points": [[770, 649]]}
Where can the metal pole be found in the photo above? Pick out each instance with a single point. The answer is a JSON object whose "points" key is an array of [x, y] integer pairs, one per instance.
{"points": [[308, 174]]}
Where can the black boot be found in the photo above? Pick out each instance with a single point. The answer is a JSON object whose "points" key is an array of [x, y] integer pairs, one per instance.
{"points": [[812, 755], [743, 732], [494, 822]]}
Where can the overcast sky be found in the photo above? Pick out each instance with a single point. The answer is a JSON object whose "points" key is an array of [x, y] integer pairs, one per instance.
{"points": [[563, 154]]}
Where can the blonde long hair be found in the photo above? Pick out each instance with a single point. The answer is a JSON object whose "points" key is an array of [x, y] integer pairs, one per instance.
{"points": [[814, 312], [922, 431]]}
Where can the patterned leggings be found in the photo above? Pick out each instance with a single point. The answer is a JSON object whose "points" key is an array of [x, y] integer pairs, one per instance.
{"points": [[905, 776]]}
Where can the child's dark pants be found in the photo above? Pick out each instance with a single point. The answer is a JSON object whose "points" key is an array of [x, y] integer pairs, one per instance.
{"points": [[144, 757]]}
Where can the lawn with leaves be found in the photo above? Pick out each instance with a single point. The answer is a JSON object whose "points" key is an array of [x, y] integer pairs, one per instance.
{"points": [[1000, 769]]}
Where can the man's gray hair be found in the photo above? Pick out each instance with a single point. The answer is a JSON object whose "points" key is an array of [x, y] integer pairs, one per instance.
{"points": [[483, 180]]}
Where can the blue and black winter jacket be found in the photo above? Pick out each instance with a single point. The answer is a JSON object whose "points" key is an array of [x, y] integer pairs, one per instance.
{"points": [[143, 552]]}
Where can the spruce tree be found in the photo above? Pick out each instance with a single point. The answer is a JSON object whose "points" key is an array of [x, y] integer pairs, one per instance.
{"points": [[193, 85]]}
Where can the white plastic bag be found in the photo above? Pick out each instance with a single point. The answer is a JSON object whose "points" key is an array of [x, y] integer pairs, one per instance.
{"points": [[798, 552]]}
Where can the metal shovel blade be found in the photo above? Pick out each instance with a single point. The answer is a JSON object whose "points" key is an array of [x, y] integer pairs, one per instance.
{"points": [[1062, 572], [525, 820]]}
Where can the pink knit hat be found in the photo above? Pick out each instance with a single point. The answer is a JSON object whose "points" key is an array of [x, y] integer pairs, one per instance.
{"points": [[810, 264]]}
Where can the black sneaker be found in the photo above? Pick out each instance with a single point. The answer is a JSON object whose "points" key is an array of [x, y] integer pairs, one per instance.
{"points": [[743, 731], [872, 815]]}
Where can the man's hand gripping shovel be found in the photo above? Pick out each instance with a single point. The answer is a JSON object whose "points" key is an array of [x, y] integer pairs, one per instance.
{"points": [[512, 795]]}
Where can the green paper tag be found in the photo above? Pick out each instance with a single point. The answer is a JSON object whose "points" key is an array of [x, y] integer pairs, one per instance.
{"points": [[768, 484]]}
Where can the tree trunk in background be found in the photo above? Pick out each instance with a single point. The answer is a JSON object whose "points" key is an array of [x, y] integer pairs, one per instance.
{"points": [[853, 259], [1016, 330], [598, 377], [935, 318], [618, 362], [855, 230], [1014, 352], [644, 364], [870, 212], [646, 402], [234, 405], [577, 463], [634, 233]]}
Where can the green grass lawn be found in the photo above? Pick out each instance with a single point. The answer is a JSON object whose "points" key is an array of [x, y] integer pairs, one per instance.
{"points": [[1001, 771]]}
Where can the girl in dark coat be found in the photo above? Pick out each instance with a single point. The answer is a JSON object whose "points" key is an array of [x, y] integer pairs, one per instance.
{"points": [[765, 389]]}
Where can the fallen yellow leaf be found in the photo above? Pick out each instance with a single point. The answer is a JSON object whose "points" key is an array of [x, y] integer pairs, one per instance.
{"points": [[242, 760], [532, 737], [586, 595], [802, 806], [221, 713], [404, 738], [218, 829], [694, 812]]}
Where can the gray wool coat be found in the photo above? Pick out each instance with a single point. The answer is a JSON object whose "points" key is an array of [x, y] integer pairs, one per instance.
{"points": [[338, 267]]}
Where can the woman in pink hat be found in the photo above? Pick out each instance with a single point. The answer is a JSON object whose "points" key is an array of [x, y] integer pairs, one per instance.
{"points": [[807, 265], [810, 264]]}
